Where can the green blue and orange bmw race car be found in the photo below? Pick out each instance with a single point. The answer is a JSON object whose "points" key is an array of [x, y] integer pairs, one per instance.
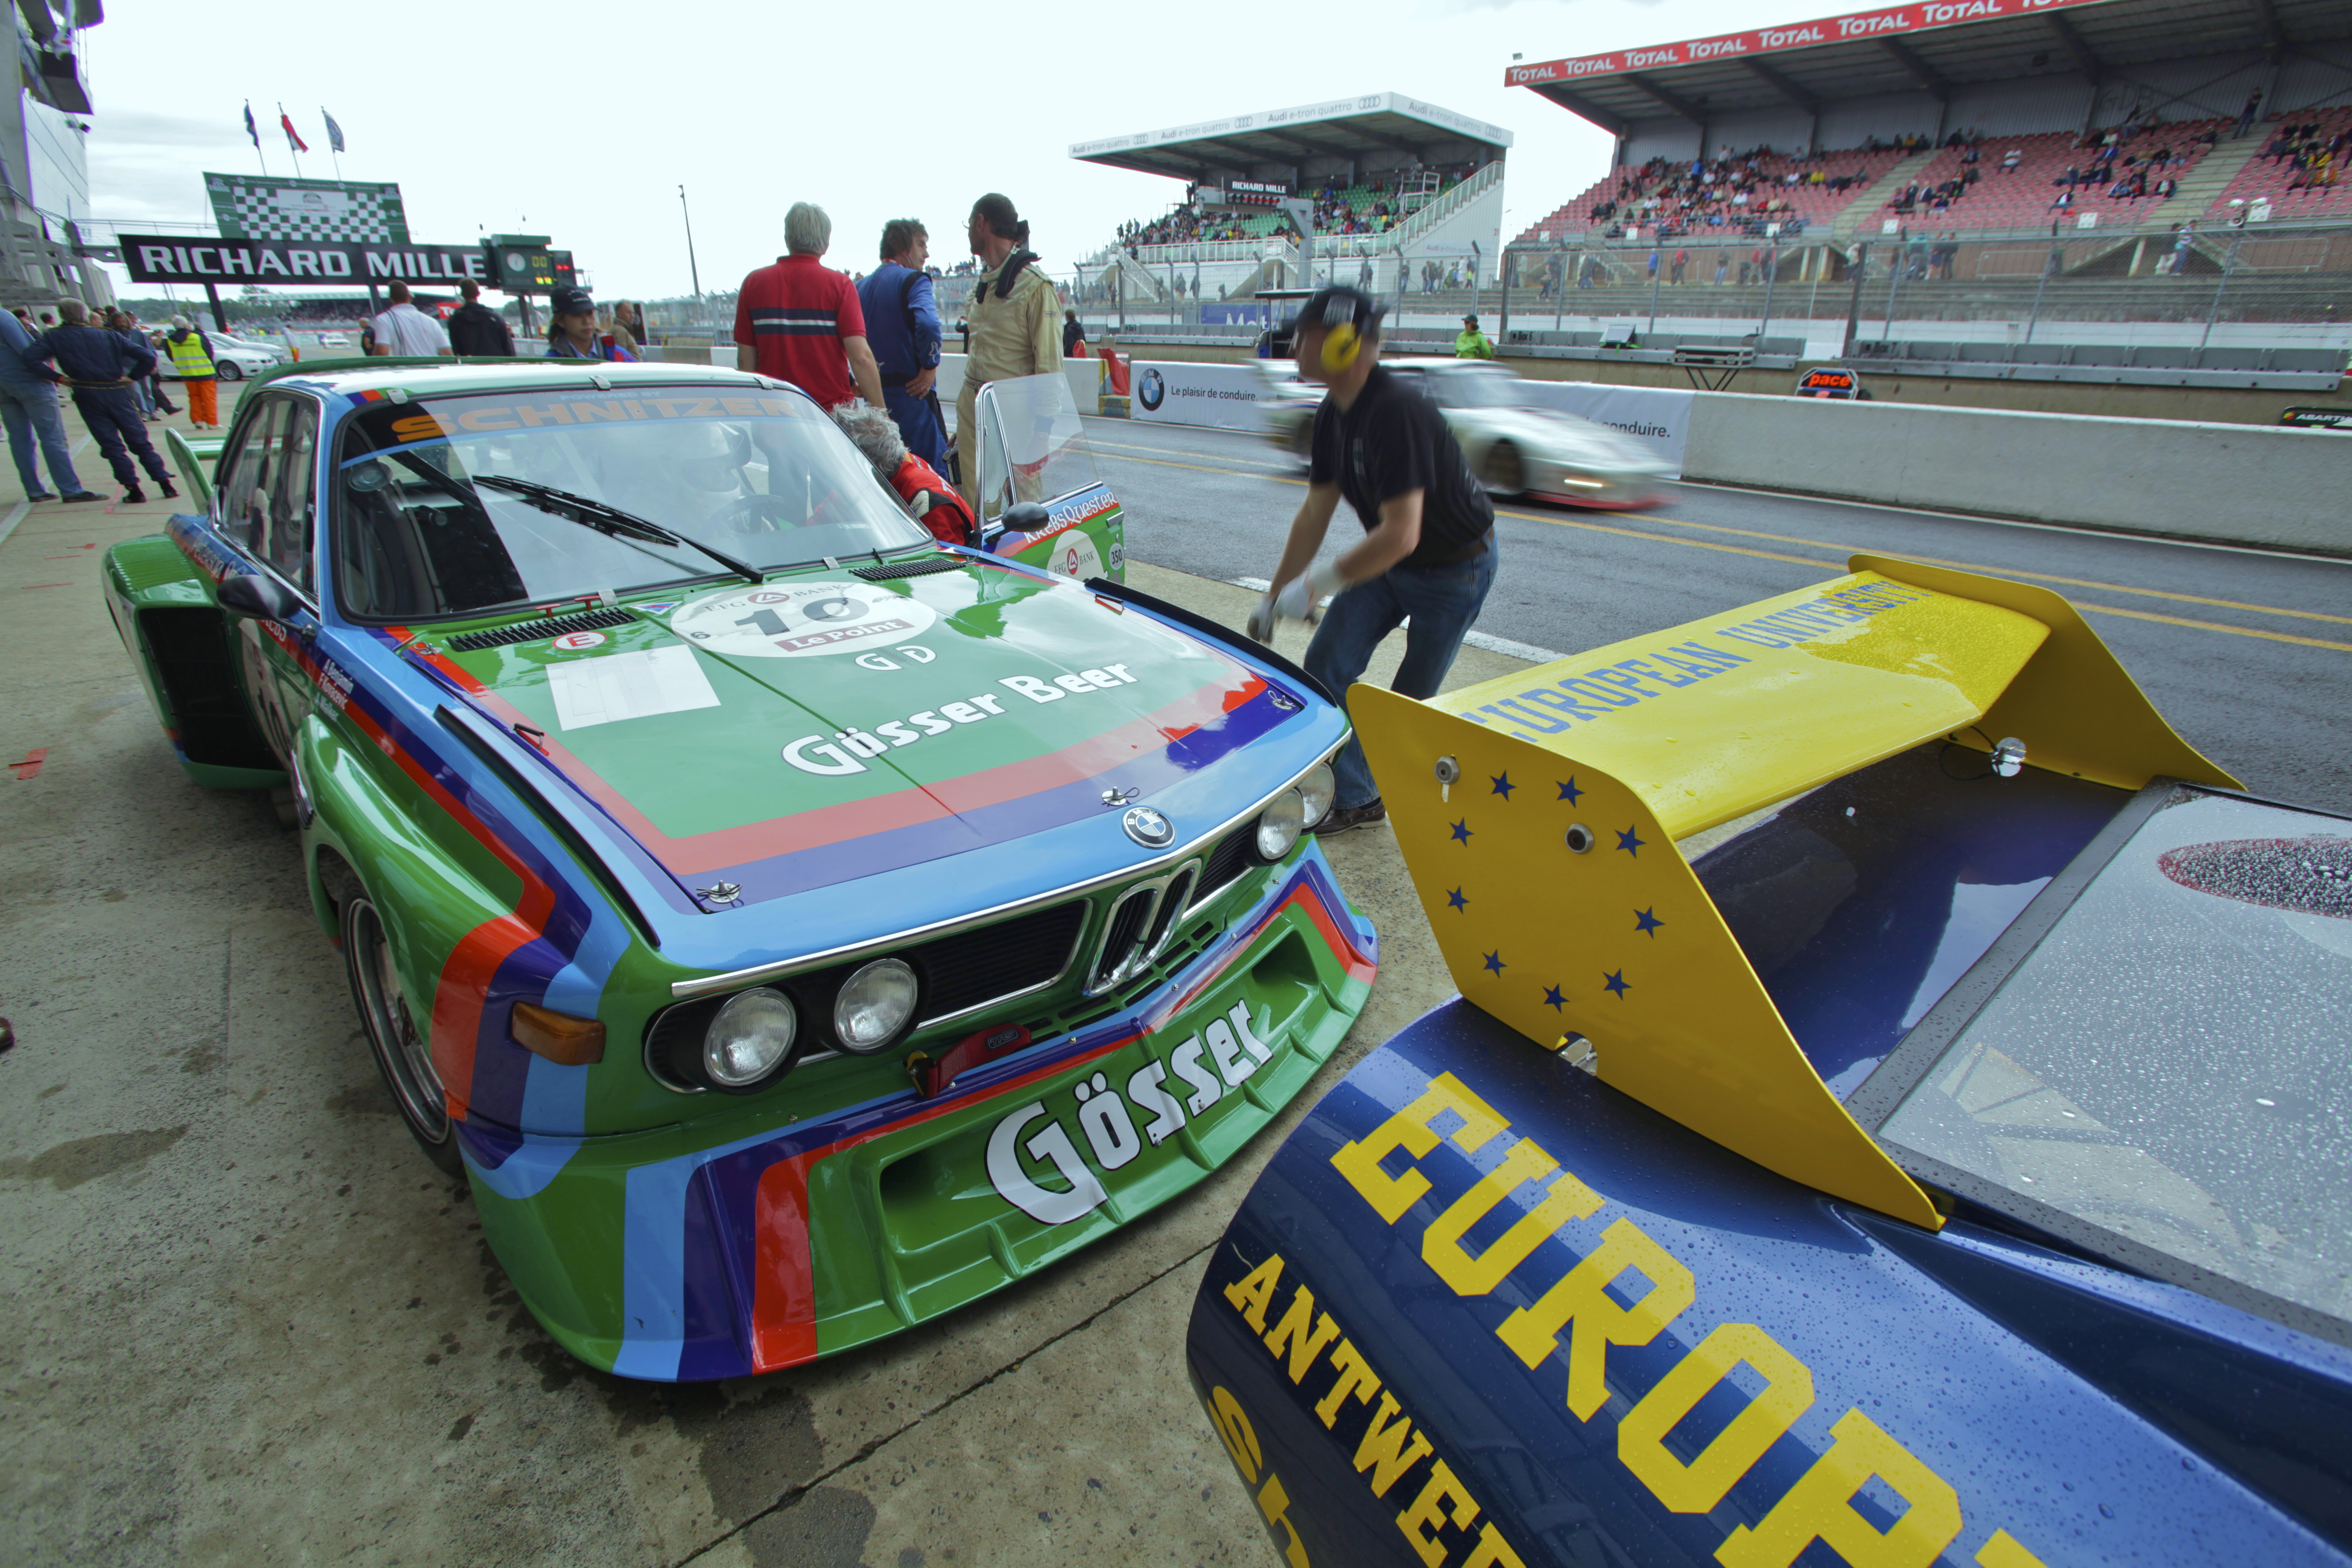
{"points": [[792, 927]]}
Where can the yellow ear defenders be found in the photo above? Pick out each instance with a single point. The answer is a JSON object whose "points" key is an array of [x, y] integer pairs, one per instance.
{"points": [[1342, 342]]}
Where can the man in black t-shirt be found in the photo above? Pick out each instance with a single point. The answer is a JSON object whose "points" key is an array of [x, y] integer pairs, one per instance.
{"points": [[1428, 546]]}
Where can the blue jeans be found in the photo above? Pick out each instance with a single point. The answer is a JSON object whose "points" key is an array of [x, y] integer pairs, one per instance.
{"points": [[1442, 602], [29, 410], [919, 425]]}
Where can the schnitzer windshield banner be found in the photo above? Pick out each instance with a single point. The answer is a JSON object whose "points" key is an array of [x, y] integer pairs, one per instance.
{"points": [[1889, 22]]}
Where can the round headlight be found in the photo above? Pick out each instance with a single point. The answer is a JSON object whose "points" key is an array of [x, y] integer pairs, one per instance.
{"points": [[874, 1005], [751, 1039], [1279, 826], [1316, 792]]}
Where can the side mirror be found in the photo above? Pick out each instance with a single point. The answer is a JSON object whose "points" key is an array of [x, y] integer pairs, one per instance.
{"points": [[1027, 517], [262, 598]]}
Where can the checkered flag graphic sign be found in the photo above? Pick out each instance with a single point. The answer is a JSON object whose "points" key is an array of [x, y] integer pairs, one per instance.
{"points": [[330, 212]]}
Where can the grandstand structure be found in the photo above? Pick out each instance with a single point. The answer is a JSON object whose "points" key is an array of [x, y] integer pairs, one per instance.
{"points": [[1882, 95], [1398, 185], [2137, 180]]}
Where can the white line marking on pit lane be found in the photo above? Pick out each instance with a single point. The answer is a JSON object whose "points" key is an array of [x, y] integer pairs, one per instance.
{"points": [[1474, 637]]}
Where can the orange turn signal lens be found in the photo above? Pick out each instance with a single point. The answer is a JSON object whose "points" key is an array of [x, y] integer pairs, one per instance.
{"points": [[559, 1036]]}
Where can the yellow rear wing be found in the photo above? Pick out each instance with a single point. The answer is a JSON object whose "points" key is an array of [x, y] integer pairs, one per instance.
{"points": [[1539, 815]]}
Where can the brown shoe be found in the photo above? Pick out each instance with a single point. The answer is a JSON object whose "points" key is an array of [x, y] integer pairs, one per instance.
{"points": [[1343, 817]]}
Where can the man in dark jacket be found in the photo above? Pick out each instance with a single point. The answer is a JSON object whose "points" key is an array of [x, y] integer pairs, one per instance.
{"points": [[100, 366], [475, 330]]}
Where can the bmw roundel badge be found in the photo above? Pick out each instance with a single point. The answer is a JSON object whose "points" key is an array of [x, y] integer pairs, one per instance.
{"points": [[1150, 389], [1149, 828]]}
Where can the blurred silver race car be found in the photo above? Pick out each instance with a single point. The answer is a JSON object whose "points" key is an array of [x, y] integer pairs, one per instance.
{"points": [[1515, 444]]}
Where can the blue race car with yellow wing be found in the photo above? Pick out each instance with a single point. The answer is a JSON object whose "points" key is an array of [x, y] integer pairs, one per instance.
{"points": [[1894, 1115]]}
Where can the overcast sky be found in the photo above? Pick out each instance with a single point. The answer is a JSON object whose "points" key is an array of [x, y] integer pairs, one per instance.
{"points": [[580, 120]]}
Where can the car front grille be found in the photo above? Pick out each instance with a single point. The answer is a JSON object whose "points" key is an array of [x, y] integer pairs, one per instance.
{"points": [[1229, 860], [1123, 942], [974, 968]]}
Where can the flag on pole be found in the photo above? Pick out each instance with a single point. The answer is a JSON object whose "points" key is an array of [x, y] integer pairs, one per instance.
{"points": [[251, 129], [293, 137], [334, 131]]}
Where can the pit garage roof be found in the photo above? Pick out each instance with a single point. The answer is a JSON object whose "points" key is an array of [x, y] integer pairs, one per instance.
{"points": [[1376, 128], [1936, 46]]}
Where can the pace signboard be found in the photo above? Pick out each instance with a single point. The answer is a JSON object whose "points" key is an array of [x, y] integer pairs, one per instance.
{"points": [[180, 258]]}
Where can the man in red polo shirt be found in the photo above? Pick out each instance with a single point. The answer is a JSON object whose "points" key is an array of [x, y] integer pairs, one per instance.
{"points": [[799, 321]]}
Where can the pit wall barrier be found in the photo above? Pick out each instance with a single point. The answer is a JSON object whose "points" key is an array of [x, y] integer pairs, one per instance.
{"points": [[2245, 484]]}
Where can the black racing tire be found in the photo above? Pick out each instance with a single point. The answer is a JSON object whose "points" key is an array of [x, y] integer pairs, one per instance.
{"points": [[402, 1054], [1504, 472], [229, 370]]}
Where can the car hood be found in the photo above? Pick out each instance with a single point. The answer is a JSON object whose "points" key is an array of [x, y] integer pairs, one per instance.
{"points": [[815, 730], [1567, 438]]}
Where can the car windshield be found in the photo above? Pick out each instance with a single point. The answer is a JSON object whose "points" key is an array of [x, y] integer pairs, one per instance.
{"points": [[761, 476], [2167, 1067]]}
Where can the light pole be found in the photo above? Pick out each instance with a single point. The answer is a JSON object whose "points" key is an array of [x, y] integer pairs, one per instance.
{"points": [[692, 271]]}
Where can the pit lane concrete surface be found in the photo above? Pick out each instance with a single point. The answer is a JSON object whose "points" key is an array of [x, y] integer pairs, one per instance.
{"points": [[250, 1325], [2246, 652]]}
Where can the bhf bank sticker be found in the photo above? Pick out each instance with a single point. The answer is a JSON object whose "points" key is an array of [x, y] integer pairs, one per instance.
{"points": [[795, 620]]}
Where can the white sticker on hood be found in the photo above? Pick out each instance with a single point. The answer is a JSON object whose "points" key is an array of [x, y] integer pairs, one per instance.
{"points": [[790, 620], [628, 686]]}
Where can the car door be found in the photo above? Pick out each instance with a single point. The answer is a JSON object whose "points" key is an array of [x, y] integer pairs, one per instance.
{"points": [[267, 507]]}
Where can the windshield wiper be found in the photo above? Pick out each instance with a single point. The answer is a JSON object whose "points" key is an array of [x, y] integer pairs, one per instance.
{"points": [[609, 519]]}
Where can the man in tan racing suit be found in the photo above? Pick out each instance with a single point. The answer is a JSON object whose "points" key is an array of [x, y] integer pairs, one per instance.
{"points": [[1016, 325]]}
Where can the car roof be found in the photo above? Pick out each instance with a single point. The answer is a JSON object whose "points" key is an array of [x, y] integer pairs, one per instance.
{"points": [[440, 376]]}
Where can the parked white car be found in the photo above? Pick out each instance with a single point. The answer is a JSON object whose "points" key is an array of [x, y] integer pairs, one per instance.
{"points": [[236, 358], [1514, 446]]}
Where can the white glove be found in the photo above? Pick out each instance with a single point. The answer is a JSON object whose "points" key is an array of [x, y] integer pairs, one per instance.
{"points": [[1261, 620], [1298, 598]]}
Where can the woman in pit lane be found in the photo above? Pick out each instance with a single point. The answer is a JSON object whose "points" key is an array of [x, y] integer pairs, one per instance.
{"points": [[572, 333]]}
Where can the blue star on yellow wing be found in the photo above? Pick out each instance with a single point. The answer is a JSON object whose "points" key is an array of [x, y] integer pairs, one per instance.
{"points": [[1553, 999], [1456, 900], [1503, 785], [1462, 831], [1568, 792], [1647, 922], [1616, 983], [1629, 843], [1495, 964]]}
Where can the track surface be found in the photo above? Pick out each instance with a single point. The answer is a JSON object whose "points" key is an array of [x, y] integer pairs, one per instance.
{"points": [[2248, 653]]}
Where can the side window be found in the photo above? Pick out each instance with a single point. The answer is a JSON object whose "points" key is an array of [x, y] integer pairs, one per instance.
{"points": [[247, 476], [286, 544]]}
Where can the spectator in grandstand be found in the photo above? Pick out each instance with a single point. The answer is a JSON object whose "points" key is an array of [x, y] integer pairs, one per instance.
{"points": [[2246, 116], [799, 321], [1722, 267], [100, 366], [1016, 327], [2011, 159], [572, 332], [29, 411], [400, 329], [902, 328], [192, 356], [1429, 552], [475, 330], [1682, 260], [1654, 264]]}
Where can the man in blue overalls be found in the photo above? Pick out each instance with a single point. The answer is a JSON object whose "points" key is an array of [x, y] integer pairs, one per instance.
{"points": [[100, 366], [902, 325]]}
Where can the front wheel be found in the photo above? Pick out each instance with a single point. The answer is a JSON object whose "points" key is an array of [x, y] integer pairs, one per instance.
{"points": [[402, 1054], [229, 370], [1504, 472]]}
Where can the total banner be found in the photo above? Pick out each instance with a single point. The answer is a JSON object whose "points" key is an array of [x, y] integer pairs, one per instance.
{"points": [[1175, 392], [1899, 20], [1657, 417]]}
